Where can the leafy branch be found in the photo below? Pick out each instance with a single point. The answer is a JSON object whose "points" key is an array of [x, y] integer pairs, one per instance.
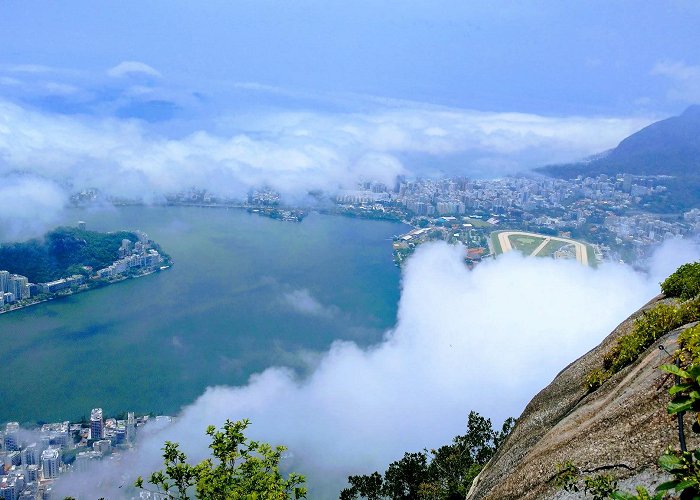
{"points": [[240, 469]]}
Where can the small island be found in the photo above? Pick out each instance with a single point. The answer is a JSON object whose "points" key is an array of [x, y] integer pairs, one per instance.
{"points": [[69, 260]]}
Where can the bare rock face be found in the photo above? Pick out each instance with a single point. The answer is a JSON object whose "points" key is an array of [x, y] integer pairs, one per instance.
{"points": [[621, 428]]}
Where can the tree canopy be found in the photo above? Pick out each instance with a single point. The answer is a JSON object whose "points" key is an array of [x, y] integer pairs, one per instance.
{"points": [[240, 469], [684, 283], [442, 474], [62, 252]]}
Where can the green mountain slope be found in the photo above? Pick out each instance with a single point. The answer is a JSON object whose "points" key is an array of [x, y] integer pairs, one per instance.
{"points": [[668, 147], [62, 252]]}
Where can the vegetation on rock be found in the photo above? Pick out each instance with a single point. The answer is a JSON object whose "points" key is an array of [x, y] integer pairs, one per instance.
{"points": [[600, 486], [689, 345], [682, 465], [649, 327], [684, 283]]}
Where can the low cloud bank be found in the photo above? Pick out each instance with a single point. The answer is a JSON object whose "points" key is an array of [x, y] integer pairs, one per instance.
{"points": [[292, 152], [484, 340], [30, 205]]}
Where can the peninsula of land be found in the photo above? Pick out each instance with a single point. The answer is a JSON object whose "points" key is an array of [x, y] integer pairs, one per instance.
{"points": [[69, 260]]}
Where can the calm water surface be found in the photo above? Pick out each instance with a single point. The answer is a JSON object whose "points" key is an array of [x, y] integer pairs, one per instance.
{"points": [[221, 313]]}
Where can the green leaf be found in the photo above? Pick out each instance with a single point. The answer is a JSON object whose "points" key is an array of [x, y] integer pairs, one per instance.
{"points": [[679, 388], [680, 404], [669, 462], [668, 485], [685, 484], [675, 371]]}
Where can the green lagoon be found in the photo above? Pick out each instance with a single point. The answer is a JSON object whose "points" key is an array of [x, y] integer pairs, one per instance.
{"points": [[224, 311]]}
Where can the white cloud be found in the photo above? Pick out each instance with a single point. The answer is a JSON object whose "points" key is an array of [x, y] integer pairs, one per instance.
{"points": [[292, 152], [32, 204], [62, 88], [304, 302], [486, 340], [677, 70], [438, 130], [128, 68], [30, 69], [685, 78], [6, 80]]}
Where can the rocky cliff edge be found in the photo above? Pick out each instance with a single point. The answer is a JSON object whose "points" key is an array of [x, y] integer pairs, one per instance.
{"points": [[621, 428]]}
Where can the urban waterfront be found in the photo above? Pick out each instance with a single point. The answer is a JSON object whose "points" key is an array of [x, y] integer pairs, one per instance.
{"points": [[246, 292]]}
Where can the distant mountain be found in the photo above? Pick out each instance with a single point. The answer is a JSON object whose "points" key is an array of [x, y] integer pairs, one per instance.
{"points": [[667, 147]]}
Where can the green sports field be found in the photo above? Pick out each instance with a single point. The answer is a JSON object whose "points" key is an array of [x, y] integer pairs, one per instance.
{"points": [[545, 246]]}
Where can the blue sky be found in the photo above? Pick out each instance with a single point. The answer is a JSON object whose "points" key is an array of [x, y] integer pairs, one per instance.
{"points": [[556, 57], [141, 99]]}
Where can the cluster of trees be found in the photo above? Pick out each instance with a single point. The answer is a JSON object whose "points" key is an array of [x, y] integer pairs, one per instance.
{"points": [[244, 469], [62, 252], [445, 473]]}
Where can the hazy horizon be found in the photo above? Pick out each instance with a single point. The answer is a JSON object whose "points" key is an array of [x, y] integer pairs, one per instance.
{"points": [[144, 99]]}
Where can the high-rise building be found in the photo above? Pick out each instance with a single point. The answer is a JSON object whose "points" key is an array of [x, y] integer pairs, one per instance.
{"points": [[12, 458], [96, 424], [19, 286], [130, 427], [103, 446], [10, 441], [627, 183], [84, 458], [31, 454], [4, 281], [10, 487], [120, 435], [50, 463], [58, 434], [32, 472]]}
